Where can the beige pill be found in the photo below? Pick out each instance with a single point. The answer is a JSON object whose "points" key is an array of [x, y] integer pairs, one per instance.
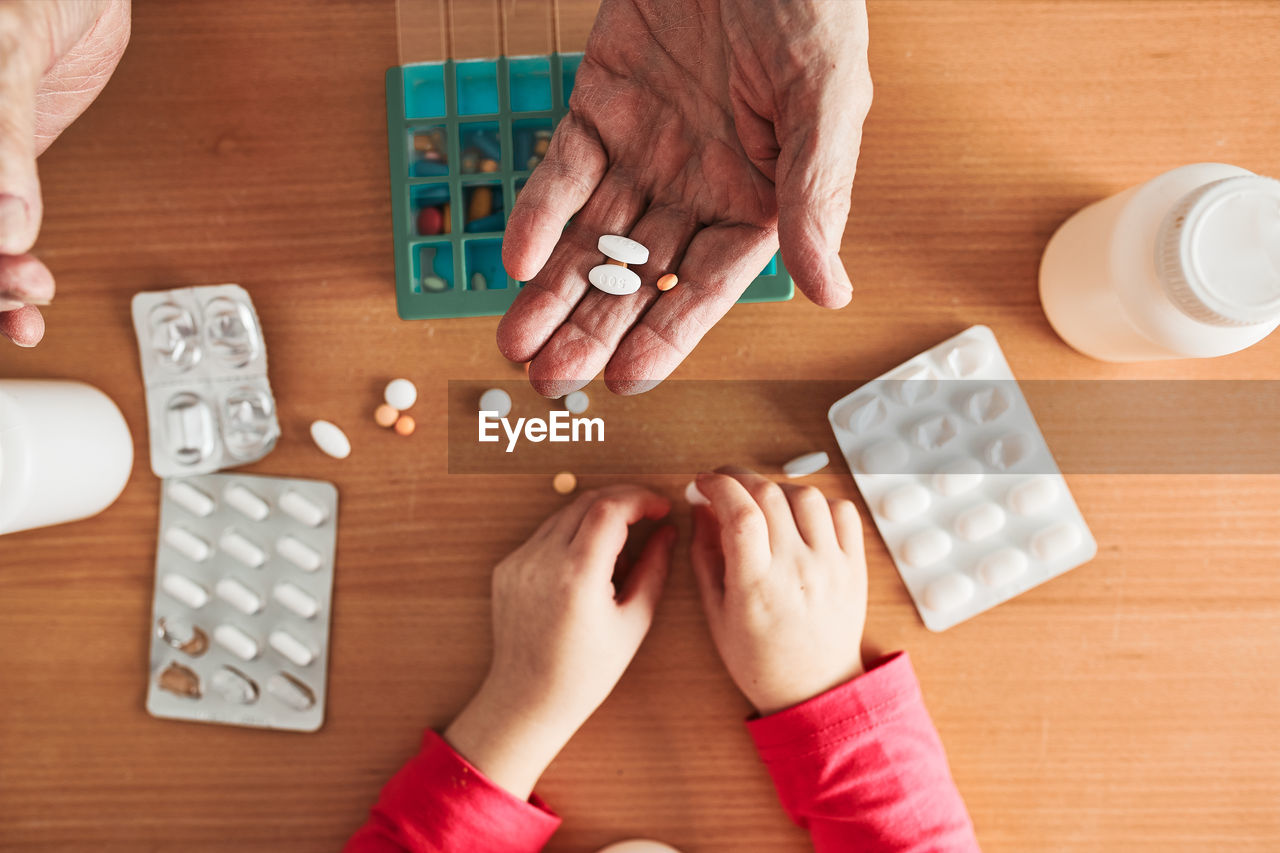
{"points": [[185, 590], [242, 549], [303, 510], [564, 482], [236, 641], [385, 416], [238, 596], [926, 548], [300, 554], [296, 600], [246, 502], [190, 498], [291, 647], [187, 543], [979, 522]]}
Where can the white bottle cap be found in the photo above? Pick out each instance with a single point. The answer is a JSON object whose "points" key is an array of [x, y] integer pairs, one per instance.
{"points": [[1218, 252]]}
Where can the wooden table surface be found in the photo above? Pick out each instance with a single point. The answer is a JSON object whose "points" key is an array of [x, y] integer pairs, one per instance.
{"points": [[1132, 704]]}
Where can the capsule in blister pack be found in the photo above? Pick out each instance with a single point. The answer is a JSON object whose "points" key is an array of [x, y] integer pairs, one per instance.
{"points": [[240, 620], [204, 363]]}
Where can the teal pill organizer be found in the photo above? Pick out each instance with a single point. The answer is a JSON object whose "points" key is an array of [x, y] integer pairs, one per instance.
{"points": [[463, 136]]}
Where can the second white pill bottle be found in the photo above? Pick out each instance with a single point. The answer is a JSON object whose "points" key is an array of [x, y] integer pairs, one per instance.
{"points": [[1186, 265]]}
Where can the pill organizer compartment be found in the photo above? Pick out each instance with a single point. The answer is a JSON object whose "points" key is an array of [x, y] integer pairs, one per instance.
{"points": [[959, 480], [442, 118], [240, 619]]}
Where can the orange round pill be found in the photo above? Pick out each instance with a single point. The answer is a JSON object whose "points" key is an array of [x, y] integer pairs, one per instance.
{"points": [[385, 416], [564, 482], [668, 281], [405, 425], [488, 165]]}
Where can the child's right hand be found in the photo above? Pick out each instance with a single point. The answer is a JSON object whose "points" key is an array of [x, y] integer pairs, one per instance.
{"points": [[783, 578]]}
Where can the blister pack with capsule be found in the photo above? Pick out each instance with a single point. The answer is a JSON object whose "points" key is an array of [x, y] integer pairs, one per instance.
{"points": [[959, 479], [204, 364], [244, 583]]}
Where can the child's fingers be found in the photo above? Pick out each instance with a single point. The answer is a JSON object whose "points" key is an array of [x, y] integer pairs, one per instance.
{"points": [[848, 526], [812, 515], [564, 524], [769, 496], [643, 587], [744, 531], [607, 522], [707, 558]]}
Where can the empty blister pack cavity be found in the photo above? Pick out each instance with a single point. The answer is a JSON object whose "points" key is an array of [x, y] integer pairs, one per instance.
{"points": [[959, 479], [240, 619], [204, 364]]}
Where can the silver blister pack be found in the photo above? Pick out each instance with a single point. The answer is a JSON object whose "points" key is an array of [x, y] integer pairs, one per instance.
{"points": [[204, 364], [243, 587]]}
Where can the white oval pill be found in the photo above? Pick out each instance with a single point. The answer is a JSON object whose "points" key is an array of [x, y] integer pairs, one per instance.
{"points": [[622, 249], [298, 552], [1032, 496], [400, 394], [809, 463], [958, 477], [618, 281], [234, 686], [242, 549], [238, 596], [979, 522], [291, 691], [904, 502], [236, 641], [187, 543], [302, 509], [694, 496], [1000, 567], [296, 600], [888, 456], [496, 400], [948, 592], [926, 548], [246, 502], [189, 498], [184, 589], [332, 440], [576, 402], [1009, 450], [1055, 542], [291, 647]]}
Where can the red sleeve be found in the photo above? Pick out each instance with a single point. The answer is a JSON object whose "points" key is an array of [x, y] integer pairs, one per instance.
{"points": [[438, 802], [861, 767]]}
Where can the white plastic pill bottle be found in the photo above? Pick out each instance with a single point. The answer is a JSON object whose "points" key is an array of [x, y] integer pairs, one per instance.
{"points": [[1186, 265], [65, 452]]}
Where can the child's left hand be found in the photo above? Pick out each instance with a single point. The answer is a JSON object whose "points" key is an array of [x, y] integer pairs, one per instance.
{"points": [[563, 635]]}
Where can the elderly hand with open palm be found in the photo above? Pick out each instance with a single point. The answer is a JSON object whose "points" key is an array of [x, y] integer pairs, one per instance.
{"points": [[710, 131]]}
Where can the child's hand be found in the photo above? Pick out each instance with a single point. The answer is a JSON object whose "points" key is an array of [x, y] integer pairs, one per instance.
{"points": [[562, 634], [784, 580]]}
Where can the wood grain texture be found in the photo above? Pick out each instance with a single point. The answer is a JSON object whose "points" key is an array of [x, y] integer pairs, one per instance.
{"points": [[1130, 705]]}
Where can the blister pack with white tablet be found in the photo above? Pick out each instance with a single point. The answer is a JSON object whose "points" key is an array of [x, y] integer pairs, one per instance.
{"points": [[240, 620], [204, 363], [959, 479]]}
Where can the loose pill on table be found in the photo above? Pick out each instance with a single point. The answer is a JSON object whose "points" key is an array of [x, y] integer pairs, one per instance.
{"points": [[184, 589], [668, 281], [1056, 541], [926, 547], [979, 522], [614, 280], [622, 249], [190, 498], [236, 641], [564, 482], [400, 394], [234, 686], [496, 400], [904, 502], [948, 592], [238, 596], [809, 463], [187, 544], [303, 509], [330, 439], [1000, 567], [405, 425], [958, 477], [291, 691], [694, 496], [299, 553], [1032, 496], [888, 456], [385, 416], [180, 681], [291, 647], [296, 600], [248, 503], [242, 549], [576, 402]]}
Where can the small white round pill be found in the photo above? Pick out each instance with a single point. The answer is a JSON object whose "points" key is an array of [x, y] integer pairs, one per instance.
{"points": [[190, 498], [184, 589], [236, 641], [904, 502], [809, 463], [303, 509], [298, 552], [291, 647], [1032, 496], [618, 281], [187, 543], [238, 596], [926, 547], [979, 522], [242, 549], [496, 400], [622, 249], [291, 691], [296, 600], [958, 477], [1055, 542], [1000, 567], [948, 592], [694, 496], [400, 394], [576, 402], [240, 498], [330, 439], [888, 456]]}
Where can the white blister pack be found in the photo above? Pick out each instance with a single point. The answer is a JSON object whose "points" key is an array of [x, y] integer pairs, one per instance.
{"points": [[204, 364], [244, 581], [959, 479]]}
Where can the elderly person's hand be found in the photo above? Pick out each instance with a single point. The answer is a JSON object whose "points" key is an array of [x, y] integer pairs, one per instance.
{"points": [[55, 57], [709, 131]]}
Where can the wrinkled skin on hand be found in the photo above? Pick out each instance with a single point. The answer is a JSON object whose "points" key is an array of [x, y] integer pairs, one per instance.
{"points": [[709, 131]]}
